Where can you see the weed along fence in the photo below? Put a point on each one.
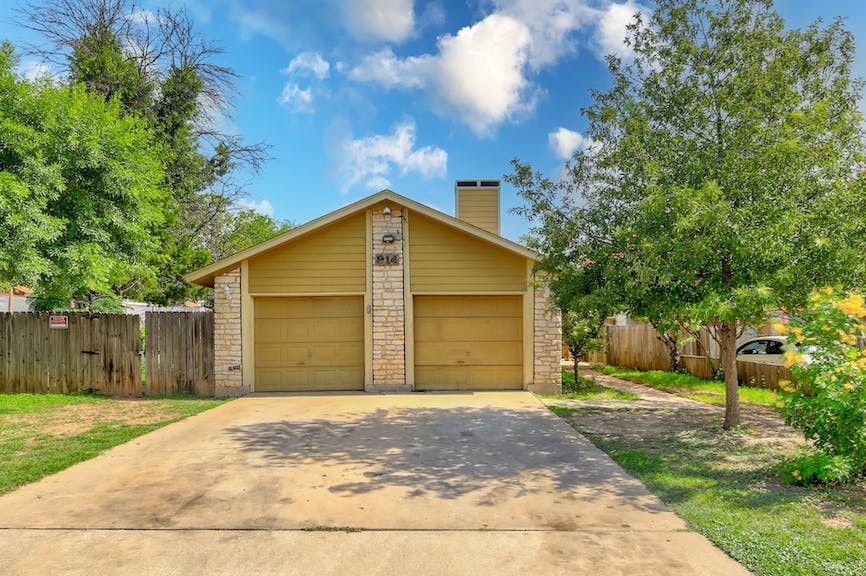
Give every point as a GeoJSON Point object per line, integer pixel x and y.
{"type": "Point", "coordinates": [637, 346]}
{"type": "Point", "coordinates": [73, 352]}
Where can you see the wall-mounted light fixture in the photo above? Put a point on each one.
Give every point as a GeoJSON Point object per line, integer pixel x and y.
{"type": "Point", "coordinates": [386, 211]}
{"type": "Point", "coordinates": [388, 238]}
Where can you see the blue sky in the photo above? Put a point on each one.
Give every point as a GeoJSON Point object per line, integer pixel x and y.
{"type": "Point", "coordinates": [358, 95]}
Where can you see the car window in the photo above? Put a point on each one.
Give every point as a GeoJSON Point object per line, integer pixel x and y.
{"type": "Point", "coordinates": [756, 347]}
{"type": "Point", "coordinates": [774, 347]}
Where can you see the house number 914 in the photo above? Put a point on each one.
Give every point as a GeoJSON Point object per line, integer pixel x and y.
{"type": "Point", "coordinates": [385, 259]}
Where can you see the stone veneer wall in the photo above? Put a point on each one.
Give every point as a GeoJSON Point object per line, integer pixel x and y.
{"type": "Point", "coordinates": [389, 328]}
{"type": "Point", "coordinates": [547, 344]}
{"type": "Point", "coordinates": [228, 343]}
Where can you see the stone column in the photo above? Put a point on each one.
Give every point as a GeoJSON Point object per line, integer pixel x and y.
{"type": "Point", "coordinates": [547, 345]}
{"type": "Point", "coordinates": [389, 311]}
{"type": "Point", "coordinates": [228, 343]}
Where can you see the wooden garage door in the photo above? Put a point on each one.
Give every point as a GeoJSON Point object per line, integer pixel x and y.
{"type": "Point", "coordinates": [309, 343]}
{"type": "Point", "coordinates": [468, 342]}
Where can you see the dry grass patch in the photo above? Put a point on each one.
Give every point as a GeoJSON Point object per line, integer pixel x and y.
{"type": "Point", "coordinates": [44, 433]}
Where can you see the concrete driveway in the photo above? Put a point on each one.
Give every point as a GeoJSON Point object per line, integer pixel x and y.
{"type": "Point", "coordinates": [352, 484]}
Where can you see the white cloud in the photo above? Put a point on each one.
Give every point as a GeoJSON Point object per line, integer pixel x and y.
{"type": "Point", "coordinates": [476, 75]}
{"type": "Point", "coordinates": [35, 70]}
{"type": "Point", "coordinates": [371, 160]}
{"type": "Point", "coordinates": [259, 21]}
{"type": "Point", "coordinates": [140, 16]}
{"type": "Point", "coordinates": [309, 63]}
{"type": "Point", "coordinates": [566, 142]}
{"type": "Point", "coordinates": [482, 74]}
{"type": "Point", "coordinates": [384, 68]}
{"type": "Point", "coordinates": [262, 207]}
{"type": "Point", "coordinates": [552, 25]}
{"type": "Point", "coordinates": [611, 30]}
{"type": "Point", "coordinates": [214, 117]}
{"type": "Point", "coordinates": [297, 99]}
{"type": "Point", "coordinates": [380, 20]}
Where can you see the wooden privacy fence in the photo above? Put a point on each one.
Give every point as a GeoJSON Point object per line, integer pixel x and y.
{"type": "Point", "coordinates": [102, 353]}
{"type": "Point", "coordinates": [637, 346]}
{"type": "Point", "coordinates": [94, 352]}
{"type": "Point", "coordinates": [179, 353]}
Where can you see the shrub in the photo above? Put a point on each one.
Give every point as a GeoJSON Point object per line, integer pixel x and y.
{"type": "Point", "coordinates": [817, 468]}
{"type": "Point", "coordinates": [825, 361]}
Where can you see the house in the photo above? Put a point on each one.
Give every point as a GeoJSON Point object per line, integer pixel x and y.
{"type": "Point", "coordinates": [16, 300]}
{"type": "Point", "coordinates": [385, 294]}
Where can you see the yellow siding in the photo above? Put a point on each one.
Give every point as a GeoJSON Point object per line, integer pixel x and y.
{"type": "Point", "coordinates": [328, 260]}
{"type": "Point", "coordinates": [444, 259]}
{"type": "Point", "coordinates": [479, 207]}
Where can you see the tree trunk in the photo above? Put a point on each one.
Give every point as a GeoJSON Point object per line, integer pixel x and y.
{"type": "Point", "coordinates": [675, 357]}
{"type": "Point", "coordinates": [574, 355]}
{"type": "Point", "coordinates": [728, 344]}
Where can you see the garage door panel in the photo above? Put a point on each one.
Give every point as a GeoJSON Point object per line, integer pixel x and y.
{"type": "Point", "coordinates": [468, 342]}
{"type": "Point", "coordinates": [470, 354]}
{"type": "Point", "coordinates": [468, 377]}
{"type": "Point", "coordinates": [467, 306]}
{"type": "Point", "coordinates": [309, 343]}
{"type": "Point", "coordinates": [461, 329]}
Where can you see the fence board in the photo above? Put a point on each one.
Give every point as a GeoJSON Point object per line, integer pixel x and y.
{"type": "Point", "coordinates": [698, 366]}
{"type": "Point", "coordinates": [637, 347]}
{"type": "Point", "coordinates": [762, 375]}
{"type": "Point", "coordinates": [179, 353]}
{"type": "Point", "coordinates": [92, 353]}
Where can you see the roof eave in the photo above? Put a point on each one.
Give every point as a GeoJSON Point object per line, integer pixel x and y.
{"type": "Point", "coordinates": [205, 276]}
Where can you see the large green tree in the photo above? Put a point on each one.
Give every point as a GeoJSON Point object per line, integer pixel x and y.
{"type": "Point", "coordinates": [723, 175]}
{"type": "Point", "coordinates": [81, 188]}
{"type": "Point", "coordinates": [162, 71]}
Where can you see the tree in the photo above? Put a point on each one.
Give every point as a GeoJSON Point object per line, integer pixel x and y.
{"type": "Point", "coordinates": [162, 71]}
{"type": "Point", "coordinates": [80, 188]}
{"type": "Point", "coordinates": [582, 334]}
{"type": "Point", "coordinates": [245, 228]}
{"type": "Point", "coordinates": [720, 180]}
{"type": "Point", "coordinates": [28, 182]}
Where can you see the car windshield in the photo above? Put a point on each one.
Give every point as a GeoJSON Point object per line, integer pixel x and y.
{"type": "Point", "coordinates": [756, 347]}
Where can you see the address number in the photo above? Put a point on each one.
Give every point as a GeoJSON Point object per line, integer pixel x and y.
{"type": "Point", "coordinates": [385, 259]}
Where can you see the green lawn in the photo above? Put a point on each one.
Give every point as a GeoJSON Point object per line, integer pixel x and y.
{"type": "Point", "coordinates": [688, 386]}
{"type": "Point", "coordinates": [588, 390]}
{"type": "Point", "coordinates": [724, 484]}
{"type": "Point", "coordinates": [41, 434]}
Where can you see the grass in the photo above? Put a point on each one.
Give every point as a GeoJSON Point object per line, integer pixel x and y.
{"type": "Point", "coordinates": [688, 386]}
{"type": "Point", "coordinates": [725, 485]}
{"type": "Point", "coordinates": [45, 433]}
{"type": "Point", "coordinates": [588, 390]}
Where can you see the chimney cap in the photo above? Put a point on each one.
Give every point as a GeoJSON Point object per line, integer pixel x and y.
{"type": "Point", "coordinates": [477, 184]}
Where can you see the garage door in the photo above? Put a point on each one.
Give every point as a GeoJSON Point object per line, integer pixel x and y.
{"type": "Point", "coordinates": [468, 342]}
{"type": "Point", "coordinates": [309, 344]}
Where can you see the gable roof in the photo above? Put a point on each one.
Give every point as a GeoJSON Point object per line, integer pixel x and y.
{"type": "Point", "coordinates": [205, 276]}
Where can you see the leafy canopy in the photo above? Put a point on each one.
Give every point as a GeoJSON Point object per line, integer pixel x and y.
{"type": "Point", "coordinates": [722, 172]}
{"type": "Point", "coordinates": [80, 187]}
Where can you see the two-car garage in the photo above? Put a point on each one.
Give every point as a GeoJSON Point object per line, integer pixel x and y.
{"type": "Point", "coordinates": [317, 343]}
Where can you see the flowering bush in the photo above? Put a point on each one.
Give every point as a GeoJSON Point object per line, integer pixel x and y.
{"type": "Point", "coordinates": [830, 406]}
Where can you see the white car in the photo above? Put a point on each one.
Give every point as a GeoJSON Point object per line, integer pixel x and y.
{"type": "Point", "coordinates": [763, 350]}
